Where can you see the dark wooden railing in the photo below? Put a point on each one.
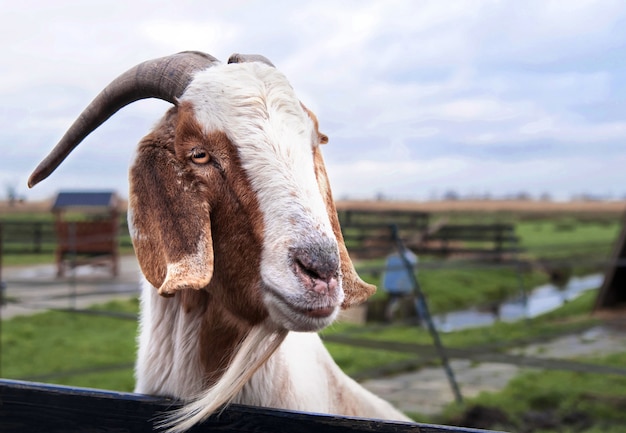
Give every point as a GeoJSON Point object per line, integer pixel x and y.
{"type": "Point", "coordinates": [33, 407]}
{"type": "Point", "coordinates": [368, 235]}
{"type": "Point", "coordinates": [28, 237]}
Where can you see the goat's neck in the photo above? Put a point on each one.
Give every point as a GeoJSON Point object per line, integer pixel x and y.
{"type": "Point", "coordinates": [302, 376]}
{"type": "Point", "coordinates": [185, 343]}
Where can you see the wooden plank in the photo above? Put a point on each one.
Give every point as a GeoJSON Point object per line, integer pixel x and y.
{"type": "Point", "coordinates": [33, 407]}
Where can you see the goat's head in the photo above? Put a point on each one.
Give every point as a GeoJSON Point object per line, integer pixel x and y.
{"type": "Point", "coordinates": [230, 190]}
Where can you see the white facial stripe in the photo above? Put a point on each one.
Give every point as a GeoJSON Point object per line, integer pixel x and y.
{"type": "Point", "coordinates": [254, 105]}
{"type": "Point", "coordinates": [259, 111]}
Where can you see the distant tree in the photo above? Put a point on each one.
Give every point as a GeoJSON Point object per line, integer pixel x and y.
{"type": "Point", "coordinates": [451, 195]}
{"type": "Point", "coordinates": [523, 195]}
{"type": "Point", "coordinates": [545, 197]}
{"type": "Point", "coordinates": [11, 194]}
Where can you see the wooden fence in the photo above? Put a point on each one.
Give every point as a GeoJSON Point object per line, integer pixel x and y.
{"type": "Point", "coordinates": [28, 237]}
{"type": "Point", "coordinates": [33, 407]}
{"type": "Point", "coordinates": [39, 237]}
{"type": "Point", "coordinates": [493, 239]}
{"type": "Point", "coordinates": [368, 235]}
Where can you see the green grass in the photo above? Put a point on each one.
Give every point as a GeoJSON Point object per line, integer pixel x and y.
{"type": "Point", "coordinates": [55, 344]}
{"type": "Point", "coordinates": [458, 284]}
{"type": "Point", "coordinates": [600, 398]}
{"type": "Point", "coordinates": [27, 259]}
{"type": "Point", "coordinates": [452, 289]}
{"type": "Point", "coordinates": [88, 350]}
{"type": "Point", "coordinates": [572, 317]}
{"type": "Point", "coordinates": [461, 285]}
{"type": "Point", "coordinates": [567, 238]}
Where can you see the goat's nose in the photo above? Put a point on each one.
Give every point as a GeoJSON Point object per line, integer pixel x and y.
{"type": "Point", "coordinates": [317, 267]}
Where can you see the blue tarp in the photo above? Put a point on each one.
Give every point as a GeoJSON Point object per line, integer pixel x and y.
{"type": "Point", "coordinates": [396, 279]}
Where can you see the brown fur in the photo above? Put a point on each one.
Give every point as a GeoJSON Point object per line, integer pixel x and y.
{"type": "Point", "coordinates": [177, 203]}
{"type": "Point", "coordinates": [173, 202]}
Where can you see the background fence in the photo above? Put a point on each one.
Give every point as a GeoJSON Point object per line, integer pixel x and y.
{"type": "Point", "coordinates": [40, 237]}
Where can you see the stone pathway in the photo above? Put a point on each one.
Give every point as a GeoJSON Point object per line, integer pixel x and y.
{"type": "Point", "coordinates": [31, 289]}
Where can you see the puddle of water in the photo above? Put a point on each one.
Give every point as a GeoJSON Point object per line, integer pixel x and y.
{"type": "Point", "coordinates": [539, 301]}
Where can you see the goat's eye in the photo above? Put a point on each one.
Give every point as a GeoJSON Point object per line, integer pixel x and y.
{"type": "Point", "coordinates": [200, 156]}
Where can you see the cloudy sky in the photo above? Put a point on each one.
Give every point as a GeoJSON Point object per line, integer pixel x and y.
{"type": "Point", "coordinates": [418, 97]}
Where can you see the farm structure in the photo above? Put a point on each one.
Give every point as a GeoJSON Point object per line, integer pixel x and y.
{"type": "Point", "coordinates": [86, 225]}
{"type": "Point", "coordinates": [367, 234]}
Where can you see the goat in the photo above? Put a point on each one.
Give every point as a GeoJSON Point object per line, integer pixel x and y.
{"type": "Point", "coordinates": [235, 229]}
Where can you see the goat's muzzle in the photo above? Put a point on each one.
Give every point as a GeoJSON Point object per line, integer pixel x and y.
{"type": "Point", "coordinates": [309, 298]}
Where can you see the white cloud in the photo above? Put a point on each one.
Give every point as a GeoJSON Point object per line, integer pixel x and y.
{"type": "Point", "coordinates": [175, 36]}
{"type": "Point", "coordinates": [421, 179]}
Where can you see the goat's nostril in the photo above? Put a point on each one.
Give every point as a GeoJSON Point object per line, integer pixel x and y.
{"type": "Point", "coordinates": [318, 270]}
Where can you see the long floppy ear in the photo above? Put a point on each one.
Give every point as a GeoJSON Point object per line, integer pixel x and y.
{"type": "Point", "coordinates": [355, 289]}
{"type": "Point", "coordinates": [170, 223]}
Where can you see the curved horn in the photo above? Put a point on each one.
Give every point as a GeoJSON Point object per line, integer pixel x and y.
{"type": "Point", "coordinates": [245, 58]}
{"type": "Point", "coordinates": [164, 78]}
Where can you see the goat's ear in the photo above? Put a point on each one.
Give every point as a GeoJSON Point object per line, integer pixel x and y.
{"type": "Point", "coordinates": [356, 290]}
{"type": "Point", "coordinates": [320, 138]}
{"type": "Point", "coordinates": [170, 223]}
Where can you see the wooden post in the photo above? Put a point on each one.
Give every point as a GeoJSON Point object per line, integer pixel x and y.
{"type": "Point", "coordinates": [422, 307]}
{"type": "Point", "coordinates": [37, 235]}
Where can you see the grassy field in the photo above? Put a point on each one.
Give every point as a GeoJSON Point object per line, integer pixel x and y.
{"type": "Point", "coordinates": [72, 349]}
{"type": "Point", "coordinates": [62, 345]}
{"type": "Point", "coordinates": [579, 248]}
{"type": "Point", "coordinates": [98, 351]}
{"type": "Point", "coordinates": [568, 238]}
{"type": "Point", "coordinates": [575, 402]}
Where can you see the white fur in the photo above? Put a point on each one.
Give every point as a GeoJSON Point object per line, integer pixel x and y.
{"type": "Point", "coordinates": [299, 375]}
{"type": "Point", "coordinates": [312, 382]}
{"type": "Point", "coordinates": [168, 359]}
{"type": "Point", "coordinates": [273, 135]}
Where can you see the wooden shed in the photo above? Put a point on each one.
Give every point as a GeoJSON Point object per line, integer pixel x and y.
{"type": "Point", "coordinates": [612, 294]}
{"type": "Point", "coordinates": [86, 225]}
